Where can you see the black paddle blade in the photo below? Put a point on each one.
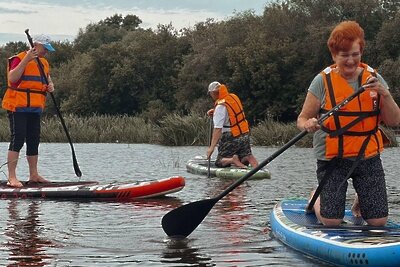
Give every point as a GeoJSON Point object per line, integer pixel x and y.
{"type": "Point", "coordinates": [182, 221]}
{"type": "Point", "coordinates": [76, 167]}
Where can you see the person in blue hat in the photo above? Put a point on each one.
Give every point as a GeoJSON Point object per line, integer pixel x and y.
{"type": "Point", "coordinates": [24, 100]}
{"type": "Point", "coordinates": [44, 40]}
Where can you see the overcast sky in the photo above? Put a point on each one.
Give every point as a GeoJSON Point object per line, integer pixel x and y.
{"type": "Point", "coordinates": [62, 19]}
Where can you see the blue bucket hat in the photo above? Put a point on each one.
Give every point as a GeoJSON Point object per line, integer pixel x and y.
{"type": "Point", "coordinates": [44, 40]}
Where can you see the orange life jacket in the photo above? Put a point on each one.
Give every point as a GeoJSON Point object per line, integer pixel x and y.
{"type": "Point", "coordinates": [30, 94]}
{"type": "Point", "coordinates": [353, 130]}
{"type": "Point", "coordinates": [237, 119]}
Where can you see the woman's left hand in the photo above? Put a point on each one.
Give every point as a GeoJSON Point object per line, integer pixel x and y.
{"type": "Point", "coordinates": [374, 85]}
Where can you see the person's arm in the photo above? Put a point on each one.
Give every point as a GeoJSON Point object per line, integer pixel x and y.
{"type": "Point", "coordinates": [15, 74]}
{"type": "Point", "coordinates": [219, 116]}
{"type": "Point", "coordinates": [307, 119]}
{"type": "Point", "coordinates": [390, 112]}
{"type": "Point", "coordinates": [217, 132]}
{"type": "Point", "coordinates": [50, 87]}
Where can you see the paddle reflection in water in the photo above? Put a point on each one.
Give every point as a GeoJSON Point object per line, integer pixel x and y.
{"type": "Point", "coordinates": [236, 219]}
{"type": "Point", "coordinates": [231, 218]}
{"type": "Point", "coordinates": [180, 252]}
{"type": "Point", "coordinates": [26, 244]}
{"type": "Point", "coordinates": [232, 213]}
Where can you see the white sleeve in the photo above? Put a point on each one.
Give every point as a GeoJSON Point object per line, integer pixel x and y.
{"type": "Point", "coordinates": [220, 115]}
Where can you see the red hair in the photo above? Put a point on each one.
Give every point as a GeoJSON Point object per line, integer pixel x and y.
{"type": "Point", "coordinates": [343, 36]}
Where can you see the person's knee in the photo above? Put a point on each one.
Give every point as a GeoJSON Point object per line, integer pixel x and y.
{"type": "Point", "coordinates": [32, 148]}
{"type": "Point", "coordinates": [377, 222]}
{"type": "Point", "coordinates": [245, 160]}
{"type": "Point", "coordinates": [330, 222]}
{"type": "Point", "coordinates": [32, 152]}
{"type": "Point", "coordinates": [332, 216]}
{"type": "Point", "coordinates": [218, 163]}
{"type": "Point", "coordinates": [250, 160]}
{"type": "Point", "coordinates": [16, 145]}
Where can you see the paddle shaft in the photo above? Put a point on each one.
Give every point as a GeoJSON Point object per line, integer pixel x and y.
{"type": "Point", "coordinates": [209, 144]}
{"type": "Point", "coordinates": [44, 77]}
{"type": "Point", "coordinates": [288, 144]}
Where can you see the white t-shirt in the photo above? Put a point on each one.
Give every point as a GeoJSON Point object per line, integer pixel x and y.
{"type": "Point", "coordinates": [221, 118]}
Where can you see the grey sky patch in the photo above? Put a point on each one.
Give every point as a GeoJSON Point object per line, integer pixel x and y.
{"type": "Point", "coordinates": [14, 11]}
{"type": "Point", "coordinates": [66, 17]}
{"type": "Point", "coordinates": [217, 6]}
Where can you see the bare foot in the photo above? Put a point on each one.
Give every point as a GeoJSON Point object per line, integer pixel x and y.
{"type": "Point", "coordinates": [250, 159]}
{"type": "Point", "coordinates": [38, 179]}
{"type": "Point", "coordinates": [13, 182]}
{"type": "Point", "coordinates": [237, 162]}
{"type": "Point", "coordinates": [355, 209]}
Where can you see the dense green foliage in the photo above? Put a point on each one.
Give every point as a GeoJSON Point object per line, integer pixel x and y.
{"type": "Point", "coordinates": [115, 67]}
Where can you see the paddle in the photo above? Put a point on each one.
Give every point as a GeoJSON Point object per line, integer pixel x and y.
{"type": "Point", "coordinates": [182, 221]}
{"type": "Point", "coordinates": [39, 63]}
{"type": "Point", "coordinates": [209, 144]}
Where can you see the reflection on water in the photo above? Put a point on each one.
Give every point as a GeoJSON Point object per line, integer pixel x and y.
{"type": "Point", "coordinates": [107, 234]}
{"type": "Point", "coordinates": [180, 251]}
{"type": "Point", "coordinates": [233, 209]}
{"type": "Point", "coordinates": [26, 244]}
{"type": "Point", "coordinates": [160, 203]}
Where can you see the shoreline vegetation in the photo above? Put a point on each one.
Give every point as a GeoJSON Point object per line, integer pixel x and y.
{"type": "Point", "coordinates": [172, 130]}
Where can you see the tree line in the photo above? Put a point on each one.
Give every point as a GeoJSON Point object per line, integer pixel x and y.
{"type": "Point", "coordinates": [116, 67]}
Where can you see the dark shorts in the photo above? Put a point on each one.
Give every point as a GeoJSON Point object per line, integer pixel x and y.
{"type": "Point", "coordinates": [229, 146]}
{"type": "Point", "coordinates": [368, 181]}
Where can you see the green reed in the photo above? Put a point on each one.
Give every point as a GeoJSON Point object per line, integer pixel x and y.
{"type": "Point", "coordinates": [171, 130]}
{"type": "Point", "coordinates": [273, 133]}
{"type": "Point", "coordinates": [177, 130]}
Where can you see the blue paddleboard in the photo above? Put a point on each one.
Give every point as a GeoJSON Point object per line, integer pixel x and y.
{"type": "Point", "coordinates": [353, 243]}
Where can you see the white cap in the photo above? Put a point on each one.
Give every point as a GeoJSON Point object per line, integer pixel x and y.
{"type": "Point", "coordinates": [44, 40]}
{"type": "Point", "coordinates": [214, 86]}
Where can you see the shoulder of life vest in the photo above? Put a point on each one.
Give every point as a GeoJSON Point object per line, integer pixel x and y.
{"type": "Point", "coordinates": [220, 101]}
{"type": "Point", "coordinates": [329, 69]}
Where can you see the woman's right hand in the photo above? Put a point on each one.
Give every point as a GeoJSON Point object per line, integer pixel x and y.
{"type": "Point", "coordinates": [31, 54]}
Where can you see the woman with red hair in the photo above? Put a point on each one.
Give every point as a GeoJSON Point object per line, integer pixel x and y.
{"type": "Point", "coordinates": [348, 144]}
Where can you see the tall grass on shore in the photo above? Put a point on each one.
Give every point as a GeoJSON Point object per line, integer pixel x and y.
{"type": "Point", "coordinates": [177, 130]}
{"type": "Point", "coordinates": [4, 128]}
{"type": "Point", "coordinates": [94, 129]}
{"type": "Point", "coordinates": [99, 129]}
{"type": "Point", "coordinates": [171, 130]}
{"type": "Point", "coordinates": [273, 133]}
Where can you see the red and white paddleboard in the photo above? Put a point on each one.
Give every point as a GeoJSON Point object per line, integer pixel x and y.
{"type": "Point", "coordinates": [94, 190]}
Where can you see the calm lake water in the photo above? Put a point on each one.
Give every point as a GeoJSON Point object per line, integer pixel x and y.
{"type": "Point", "coordinates": [235, 232]}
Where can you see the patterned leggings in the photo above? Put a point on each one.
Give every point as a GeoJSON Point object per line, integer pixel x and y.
{"type": "Point", "coordinates": [368, 181]}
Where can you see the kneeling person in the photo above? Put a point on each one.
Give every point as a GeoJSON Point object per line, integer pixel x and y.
{"type": "Point", "coordinates": [231, 129]}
